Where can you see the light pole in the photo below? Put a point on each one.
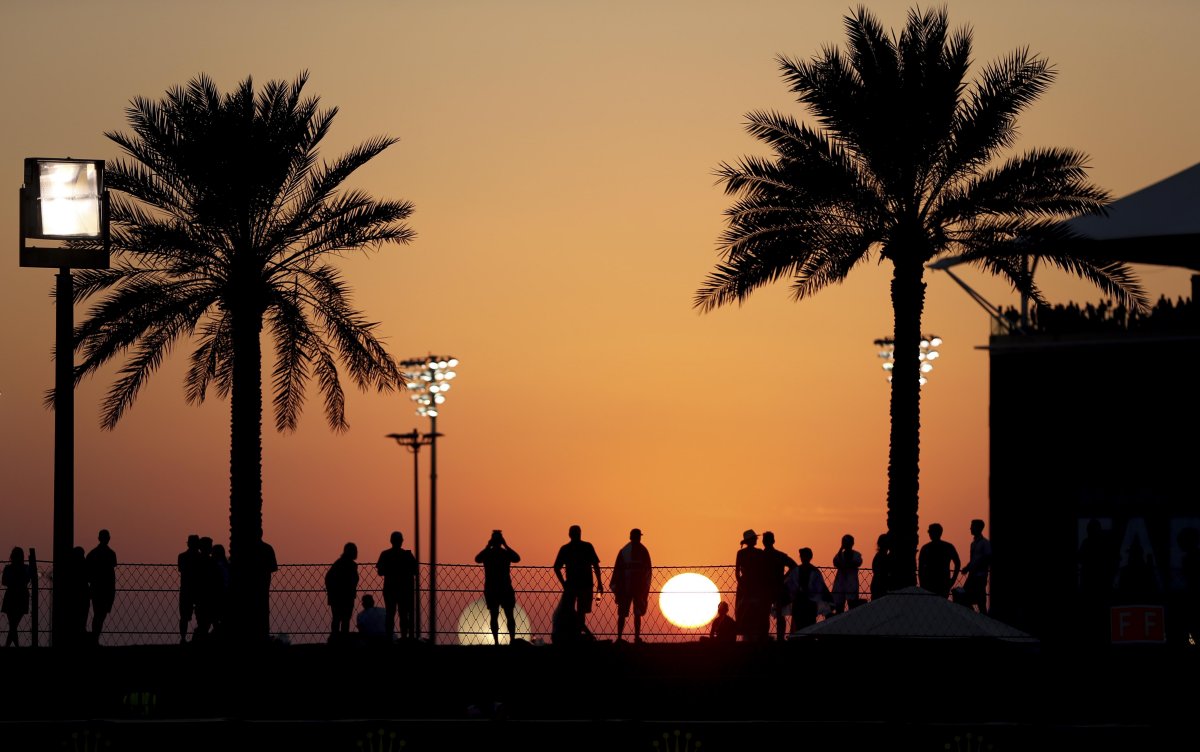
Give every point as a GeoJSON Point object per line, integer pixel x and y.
{"type": "Point", "coordinates": [428, 379]}
{"type": "Point", "coordinates": [929, 353]}
{"type": "Point", "coordinates": [413, 441]}
{"type": "Point", "coordinates": [64, 201]}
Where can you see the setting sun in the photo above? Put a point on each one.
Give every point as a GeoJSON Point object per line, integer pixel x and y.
{"type": "Point", "coordinates": [689, 600]}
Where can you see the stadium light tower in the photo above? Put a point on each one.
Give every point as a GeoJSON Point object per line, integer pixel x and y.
{"type": "Point", "coordinates": [428, 379]}
{"type": "Point", "coordinates": [929, 352]}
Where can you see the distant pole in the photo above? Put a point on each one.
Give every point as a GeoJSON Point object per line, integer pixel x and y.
{"type": "Point", "coordinates": [433, 434]}
{"type": "Point", "coordinates": [415, 448]}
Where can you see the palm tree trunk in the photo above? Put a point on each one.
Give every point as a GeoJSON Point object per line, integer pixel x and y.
{"type": "Point", "coordinates": [249, 585]}
{"type": "Point", "coordinates": [908, 303]}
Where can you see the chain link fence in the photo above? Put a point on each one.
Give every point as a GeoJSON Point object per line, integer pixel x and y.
{"type": "Point", "coordinates": [146, 610]}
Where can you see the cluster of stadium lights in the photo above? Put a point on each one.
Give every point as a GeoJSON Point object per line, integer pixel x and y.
{"type": "Point", "coordinates": [929, 353]}
{"type": "Point", "coordinates": [429, 379]}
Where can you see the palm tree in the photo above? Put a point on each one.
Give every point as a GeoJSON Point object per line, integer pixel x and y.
{"type": "Point", "coordinates": [903, 163]}
{"type": "Point", "coordinates": [224, 223]}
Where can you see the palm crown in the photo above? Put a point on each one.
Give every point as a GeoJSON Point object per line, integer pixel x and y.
{"type": "Point", "coordinates": [224, 223]}
{"type": "Point", "coordinates": [904, 162]}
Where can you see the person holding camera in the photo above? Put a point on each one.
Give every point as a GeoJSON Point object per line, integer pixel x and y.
{"type": "Point", "coordinates": [497, 560]}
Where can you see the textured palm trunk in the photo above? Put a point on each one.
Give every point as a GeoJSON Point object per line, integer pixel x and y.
{"type": "Point", "coordinates": [904, 454]}
{"type": "Point", "coordinates": [249, 612]}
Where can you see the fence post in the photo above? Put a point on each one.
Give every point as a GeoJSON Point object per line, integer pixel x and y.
{"type": "Point", "coordinates": [33, 597]}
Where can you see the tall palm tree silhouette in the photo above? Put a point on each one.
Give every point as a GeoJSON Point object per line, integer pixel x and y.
{"type": "Point", "coordinates": [224, 223]}
{"type": "Point", "coordinates": [903, 163]}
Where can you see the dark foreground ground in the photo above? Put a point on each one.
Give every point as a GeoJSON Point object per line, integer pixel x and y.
{"type": "Point", "coordinates": [848, 694]}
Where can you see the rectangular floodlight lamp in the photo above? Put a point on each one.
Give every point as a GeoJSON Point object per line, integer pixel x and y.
{"type": "Point", "coordinates": [64, 200]}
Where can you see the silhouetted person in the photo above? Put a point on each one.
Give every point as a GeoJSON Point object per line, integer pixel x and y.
{"type": "Point", "coordinates": [341, 587]}
{"type": "Point", "coordinates": [398, 568]}
{"type": "Point", "coordinates": [372, 622]}
{"type": "Point", "coordinates": [102, 582]}
{"type": "Point", "coordinates": [191, 573]}
{"type": "Point", "coordinates": [15, 578]}
{"type": "Point", "coordinates": [723, 627]}
{"type": "Point", "coordinates": [845, 581]}
{"type": "Point", "coordinates": [497, 560]}
{"type": "Point", "coordinates": [977, 568]}
{"type": "Point", "coordinates": [881, 567]}
{"type": "Point", "coordinates": [778, 566]}
{"type": "Point", "coordinates": [206, 592]}
{"type": "Point", "coordinates": [631, 583]}
{"type": "Point", "coordinates": [808, 590]}
{"type": "Point", "coordinates": [220, 588]}
{"type": "Point", "coordinates": [938, 563]}
{"type": "Point", "coordinates": [574, 566]}
{"type": "Point", "coordinates": [752, 598]}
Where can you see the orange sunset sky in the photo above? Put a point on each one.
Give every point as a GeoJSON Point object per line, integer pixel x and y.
{"type": "Point", "coordinates": [560, 156]}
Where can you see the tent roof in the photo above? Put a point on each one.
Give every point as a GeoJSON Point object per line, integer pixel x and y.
{"type": "Point", "coordinates": [1159, 224]}
{"type": "Point", "coordinates": [918, 613]}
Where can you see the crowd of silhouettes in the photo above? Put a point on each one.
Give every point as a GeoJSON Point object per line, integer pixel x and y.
{"type": "Point", "coordinates": [770, 585]}
{"type": "Point", "coordinates": [203, 588]}
{"type": "Point", "coordinates": [1165, 316]}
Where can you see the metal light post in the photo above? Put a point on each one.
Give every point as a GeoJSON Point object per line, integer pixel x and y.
{"type": "Point", "coordinates": [929, 353]}
{"type": "Point", "coordinates": [64, 201]}
{"type": "Point", "coordinates": [429, 379]}
{"type": "Point", "coordinates": [413, 441]}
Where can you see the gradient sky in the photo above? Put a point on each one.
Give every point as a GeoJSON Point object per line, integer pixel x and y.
{"type": "Point", "coordinates": [560, 157]}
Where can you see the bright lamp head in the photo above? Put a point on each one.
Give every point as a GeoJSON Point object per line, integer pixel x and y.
{"type": "Point", "coordinates": [65, 200]}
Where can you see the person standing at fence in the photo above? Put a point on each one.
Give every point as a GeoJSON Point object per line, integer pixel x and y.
{"type": "Point", "coordinates": [497, 560]}
{"type": "Point", "coordinates": [977, 568]}
{"type": "Point", "coordinates": [845, 582]}
{"type": "Point", "coordinates": [579, 560]}
{"type": "Point", "coordinates": [752, 599]}
{"type": "Point", "coordinates": [808, 590]}
{"type": "Point", "coordinates": [206, 593]}
{"type": "Point", "coordinates": [190, 573]}
{"type": "Point", "coordinates": [220, 588]}
{"type": "Point", "coordinates": [15, 578]}
{"type": "Point", "coordinates": [881, 567]}
{"type": "Point", "coordinates": [398, 568]}
{"type": "Point", "coordinates": [102, 580]}
{"type": "Point", "coordinates": [938, 563]}
{"type": "Point", "coordinates": [778, 564]}
{"type": "Point", "coordinates": [630, 583]}
{"type": "Point", "coordinates": [341, 587]}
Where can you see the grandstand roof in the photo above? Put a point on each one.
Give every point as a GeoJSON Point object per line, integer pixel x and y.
{"type": "Point", "coordinates": [1158, 224]}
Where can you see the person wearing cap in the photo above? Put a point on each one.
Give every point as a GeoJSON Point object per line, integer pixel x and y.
{"type": "Point", "coordinates": [752, 604]}
{"type": "Point", "coordinates": [631, 583]}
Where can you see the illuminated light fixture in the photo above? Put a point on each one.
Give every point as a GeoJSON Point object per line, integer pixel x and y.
{"type": "Point", "coordinates": [428, 379]}
{"type": "Point", "coordinates": [929, 353]}
{"type": "Point", "coordinates": [64, 200]}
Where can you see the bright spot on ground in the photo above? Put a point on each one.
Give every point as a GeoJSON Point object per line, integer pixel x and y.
{"type": "Point", "coordinates": [689, 600]}
{"type": "Point", "coordinates": [475, 626]}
